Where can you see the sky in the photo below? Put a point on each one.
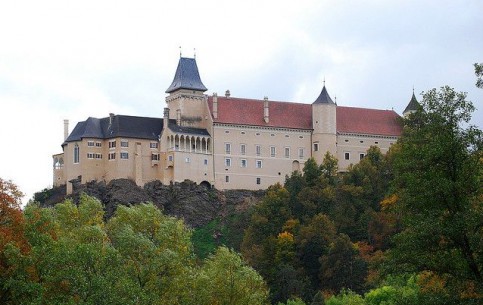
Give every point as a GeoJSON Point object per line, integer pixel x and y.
{"type": "Point", "coordinates": [75, 59]}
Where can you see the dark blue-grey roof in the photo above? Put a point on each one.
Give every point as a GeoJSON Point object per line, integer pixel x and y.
{"type": "Point", "coordinates": [413, 105]}
{"type": "Point", "coordinates": [187, 76]}
{"type": "Point", "coordinates": [121, 126]}
{"type": "Point", "coordinates": [187, 130]}
{"type": "Point", "coordinates": [324, 97]}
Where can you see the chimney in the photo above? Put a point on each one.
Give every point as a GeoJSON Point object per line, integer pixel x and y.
{"type": "Point", "coordinates": [178, 117]}
{"type": "Point", "coordinates": [111, 117]}
{"type": "Point", "coordinates": [227, 93]}
{"type": "Point", "coordinates": [66, 129]}
{"type": "Point", "coordinates": [215, 105]}
{"type": "Point", "coordinates": [265, 109]}
{"type": "Point", "coordinates": [165, 118]}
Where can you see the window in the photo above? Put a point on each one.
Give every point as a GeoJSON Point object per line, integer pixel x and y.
{"type": "Point", "coordinates": [187, 160]}
{"type": "Point", "coordinates": [90, 143]}
{"type": "Point", "coordinates": [376, 142]}
{"type": "Point", "coordinates": [272, 151]}
{"type": "Point", "coordinates": [98, 144]}
{"type": "Point", "coordinates": [242, 132]}
{"type": "Point", "coordinates": [316, 146]}
{"type": "Point", "coordinates": [227, 179]}
{"type": "Point", "coordinates": [112, 144]}
{"type": "Point", "coordinates": [76, 153]}
{"type": "Point", "coordinates": [346, 156]}
{"type": "Point", "coordinates": [90, 155]}
{"type": "Point", "coordinates": [98, 156]}
{"type": "Point", "coordinates": [154, 157]}
{"type": "Point", "coordinates": [259, 164]}
{"type": "Point", "coordinates": [259, 180]}
{"type": "Point", "coordinates": [124, 143]}
{"type": "Point", "coordinates": [258, 150]}
{"type": "Point", "coordinates": [153, 145]}
{"type": "Point", "coordinates": [361, 141]}
{"type": "Point", "coordinates": [170, 158]}
{"type": "Point", "coordinates": [205, 162]}
{"type": "Point", "coordinates": [227, 161]}
{"type": "Point", "coordinates": [287, 152]}
{"type": "Point", "coordinates": [227, 148]}
{"type": "Point", "coordinates": [243, 149]}
{"type": "Point", "coordinates": [301, 153]}
{"type": "Point", "coordinates": [361, 156]}
{"type": "Point", "coordinates": [346, 140]}
{"type": "Point", "coordinates": [243, 163]}
{"type": "Point", "coordinates": [111, 156]}
{"type": "Point", "coordinates": [124, 155]}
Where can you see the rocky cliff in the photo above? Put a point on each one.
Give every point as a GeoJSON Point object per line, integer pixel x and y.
{"type": "Point", "coordinates": [196, 204]}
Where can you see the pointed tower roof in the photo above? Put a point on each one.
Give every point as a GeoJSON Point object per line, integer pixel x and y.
{"type": "Point", "coordinates": [187, 76]}
{"type": "Point", "coordinates": [324, 97]}
{"type": "Point", "coordinates": [413, 105]}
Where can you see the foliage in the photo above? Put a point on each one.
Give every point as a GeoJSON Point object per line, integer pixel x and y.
{"type": "Point", "coordinates": [12, 229]}
{"type": "Point", "coordinates": [345, 297]}
{"type": "Point", "coordinates": [296, 301]}
{"type": "Point", "coordinates": [140, 256]}
{"type": "Point", "coordinates": [296, 238]}
{"type": "Point", "coordinates": [479, 74]}
{"type": "Point", "coordinates": [438, 169]}
{"type": "Point", "coordinates": [226, 279]}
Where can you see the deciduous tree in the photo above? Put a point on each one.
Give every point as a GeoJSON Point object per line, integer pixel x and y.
{"type": "Point", "coordinates": [438, 177]}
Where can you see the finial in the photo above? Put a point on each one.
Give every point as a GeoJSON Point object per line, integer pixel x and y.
{"type": "Point", "coordinates": [324, 81]}
{"type": "Point", "coordinates": [335, 99]}
{"type": "Point", "coordinates": [194, 53]}
{"type": "Point", "coordinates": [180, 54]}
{"type": "Point", "coordinates": [413, 89]}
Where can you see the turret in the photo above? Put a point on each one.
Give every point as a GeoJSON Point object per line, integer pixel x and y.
{"type": "Point", "coordinates": [324, 125]}
{"type": "Point", "coordinates": [412, 107]}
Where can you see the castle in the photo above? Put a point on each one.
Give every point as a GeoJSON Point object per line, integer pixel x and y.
{"type": "Point", "coordinates": [221, 141]}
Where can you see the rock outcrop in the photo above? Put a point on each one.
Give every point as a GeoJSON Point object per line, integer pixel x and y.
{"type": "Point", "coordinates": [196, 204]}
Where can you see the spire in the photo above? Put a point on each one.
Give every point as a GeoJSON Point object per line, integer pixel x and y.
{"type": "Point", "coordinates": [187, 76]}
{"type": "Point", "coordinates": [324, 97]}
{"type": "Point", "coordinates": [413, 105]}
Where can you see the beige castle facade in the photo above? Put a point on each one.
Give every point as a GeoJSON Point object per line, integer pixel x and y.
{"type": "Point", "coordinates": [220, 141]}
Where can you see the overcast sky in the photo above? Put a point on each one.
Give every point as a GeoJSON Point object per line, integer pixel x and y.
{"type": "Point", "coordinates": [75, 59]}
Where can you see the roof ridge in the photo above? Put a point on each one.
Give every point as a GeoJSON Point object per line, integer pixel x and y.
{"type": "Point", "coordinates": [260, 100]}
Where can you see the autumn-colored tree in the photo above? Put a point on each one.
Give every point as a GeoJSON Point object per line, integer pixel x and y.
{"type": "Point", "coordinates": [12, 232]}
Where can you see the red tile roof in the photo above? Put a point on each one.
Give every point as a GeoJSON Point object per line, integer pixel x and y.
{"type": "Point", "coordinates": [368, 121]}
{"type": "Point", "coordinates": [296, 115]}
{"type": "Point", "coordinates": [250, 112]}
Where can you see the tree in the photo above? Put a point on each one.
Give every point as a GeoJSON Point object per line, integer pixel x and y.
{"type": "Point", "coordinates": [311, 172]}
{"type": "Point", "coordinates": [226, 279]}
{"type": "Point", "coordinates": [342, 267]}
{"type": "Point", "coordinates": [438, 171]}
{"type": "Point", "coordinates": [479, 75]}
{"type": "Point", "coordinates": [12, 231]}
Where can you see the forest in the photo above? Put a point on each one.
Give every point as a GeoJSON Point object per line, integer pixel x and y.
{"type": "Point", "coordinates": [403, 227]}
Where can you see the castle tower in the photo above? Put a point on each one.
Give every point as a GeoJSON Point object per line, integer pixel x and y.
{"type": "Point", "coordinates": [186, 100]}
{"type": "Point", "coordinates": [324, 137]}
{"type": "Point", "coordinates": [412, 107]}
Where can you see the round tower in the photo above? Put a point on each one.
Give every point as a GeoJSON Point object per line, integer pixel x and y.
{"type": "Point", "coordinates": [324, 136]}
